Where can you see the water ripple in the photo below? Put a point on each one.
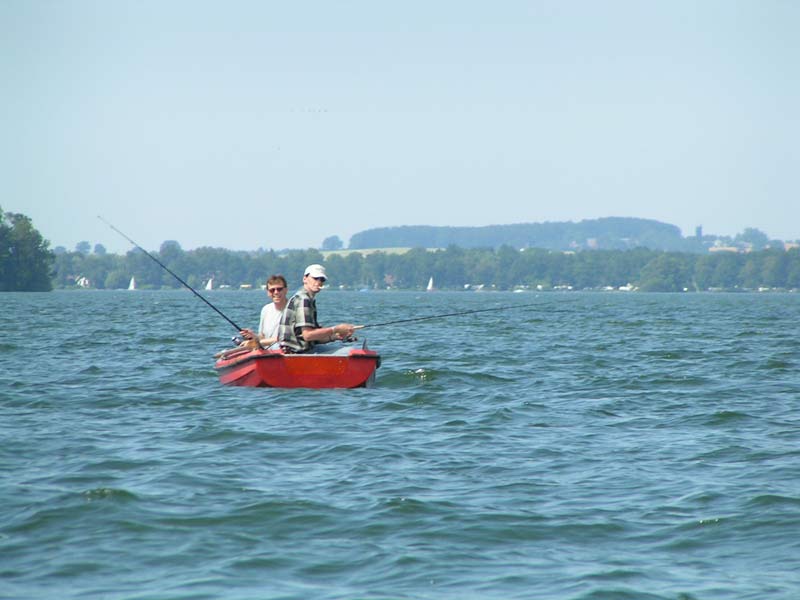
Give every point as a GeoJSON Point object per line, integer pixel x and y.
{"type": "Point", "coordinates": [606, 446]}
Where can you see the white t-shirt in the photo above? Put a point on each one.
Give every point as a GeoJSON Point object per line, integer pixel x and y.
{"type": "Point", "coordinates": [270, 320]}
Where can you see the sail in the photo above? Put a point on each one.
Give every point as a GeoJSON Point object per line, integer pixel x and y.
{"type": "Point", "coordinates": [132, 284]}
{"type": "Point", "coordinates": [430, 285]}
{"type": "Point", "coordinates": [210, 284]}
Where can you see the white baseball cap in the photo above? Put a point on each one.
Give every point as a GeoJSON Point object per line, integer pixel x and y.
{"type": "Point", "coordinates": [315, 271]}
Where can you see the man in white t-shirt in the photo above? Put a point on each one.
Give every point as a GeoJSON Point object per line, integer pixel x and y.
{"type": "Point", "coordinates": [271, 313]}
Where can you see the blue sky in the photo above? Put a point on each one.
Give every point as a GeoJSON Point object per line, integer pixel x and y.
{"type": "Point", "coordinates": [263, 124]}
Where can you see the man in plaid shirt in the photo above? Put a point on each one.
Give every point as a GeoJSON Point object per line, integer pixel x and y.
{"type": "Point", "coordinates": [299, 330]}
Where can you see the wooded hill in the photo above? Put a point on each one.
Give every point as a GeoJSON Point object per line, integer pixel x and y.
{"type": "Point", "coordinates": [612, 233]}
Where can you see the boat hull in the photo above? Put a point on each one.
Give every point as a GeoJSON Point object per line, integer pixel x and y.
{"type": "Point", "coordinates": [346, 368]}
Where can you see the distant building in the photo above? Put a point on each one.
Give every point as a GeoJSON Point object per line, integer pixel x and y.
{"type": "Point", "coordinates": [698, 232]}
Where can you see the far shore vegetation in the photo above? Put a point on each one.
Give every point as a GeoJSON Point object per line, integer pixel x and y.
{"type": "Point", "coordinates": [28, 264]}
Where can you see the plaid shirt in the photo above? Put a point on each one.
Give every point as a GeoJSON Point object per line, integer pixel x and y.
{"type": "Point", "coordinates": [301, 311]}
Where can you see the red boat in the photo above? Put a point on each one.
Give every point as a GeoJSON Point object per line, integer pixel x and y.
{"type": "Point", "coordinates": [347, 367]}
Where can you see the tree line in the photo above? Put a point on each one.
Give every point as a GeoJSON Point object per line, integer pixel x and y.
{"type": "Point", "coordinates": [28, 264]}
{"type": "Point", "coordinates": [25, 257]}
{"type": "Point", "coordinates": [457, 268]}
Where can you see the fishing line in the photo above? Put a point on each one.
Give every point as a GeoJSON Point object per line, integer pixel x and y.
{"type": "Point", "coordinates": [454, 314]}
{"type": "Point", "coordinates": [167, 269]}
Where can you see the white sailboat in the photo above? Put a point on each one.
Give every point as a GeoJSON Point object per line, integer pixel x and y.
{"type": "Point", "coordinates": [210, 284]}
{"type": "Point", "coordinates": [132, 284]}
{"type": "Point", "coordinates": [430, 285]}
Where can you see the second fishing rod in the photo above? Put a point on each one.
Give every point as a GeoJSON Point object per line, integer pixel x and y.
{"type": "Point", "coordinates": [442, 315]}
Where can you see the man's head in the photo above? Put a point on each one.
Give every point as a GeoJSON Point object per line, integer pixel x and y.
{"type": "Point", "coordinates": [314, 278]}
{"type": "Point", "coordinates": [277, 288]}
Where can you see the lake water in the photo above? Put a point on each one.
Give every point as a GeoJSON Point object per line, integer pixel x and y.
{"type": "Point", "coordinates": [588, 446]}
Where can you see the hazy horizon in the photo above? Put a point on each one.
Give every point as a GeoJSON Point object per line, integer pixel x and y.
{"type": "Point", "coordinates": [263, 124]}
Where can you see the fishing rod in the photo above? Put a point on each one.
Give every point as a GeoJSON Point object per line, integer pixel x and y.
{"type": "Point", "coordinates": [167, 269]}
{"type": "Point", "coordinates": [453, 314]}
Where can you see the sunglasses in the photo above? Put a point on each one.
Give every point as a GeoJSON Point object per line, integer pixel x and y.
{"type": "Point", "coordinates": [320, 279]}
{"type": "Point", "coordinates": [276, 289]}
